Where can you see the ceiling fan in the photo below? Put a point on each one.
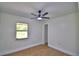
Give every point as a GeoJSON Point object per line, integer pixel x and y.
{"type": "Point", "coordinates": [40, 15]}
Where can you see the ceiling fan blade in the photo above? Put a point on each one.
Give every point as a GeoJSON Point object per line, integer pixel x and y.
{"type": "Point", "coordinates": [45, 14]}
{"type": "Point", "coordinates": [46, 17]}
{"type": "Point", "coordinates": [33, 14]}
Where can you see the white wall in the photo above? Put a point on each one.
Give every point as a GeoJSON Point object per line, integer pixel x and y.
{"type": "Point", "coordinates": [78, 5]}
{"type": "Point", "coordinates": [77, 31]}
{"type": "Point", "coordinates": [8, 42]}
{"type": "Point", "coordinates": [62, 34]}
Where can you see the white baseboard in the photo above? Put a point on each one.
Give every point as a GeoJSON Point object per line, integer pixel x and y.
{"type": "Point", "coordinates": [60, 49]}
{"type": "Point", "coordinates": [19, 49]}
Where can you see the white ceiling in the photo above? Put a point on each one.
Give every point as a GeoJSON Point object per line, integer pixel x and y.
{"type": "Point", "coordinates": [24, 9]}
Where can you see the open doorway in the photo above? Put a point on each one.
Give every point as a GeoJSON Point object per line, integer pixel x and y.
{"type": "Point", "coordinates": [46, 33]}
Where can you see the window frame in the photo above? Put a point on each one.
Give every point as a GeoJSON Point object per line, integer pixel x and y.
{"type": "Point", "coordinates": [22, 31]}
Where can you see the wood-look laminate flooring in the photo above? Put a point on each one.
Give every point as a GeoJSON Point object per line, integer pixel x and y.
{"type": "Point", "coordinates": [41, 50]}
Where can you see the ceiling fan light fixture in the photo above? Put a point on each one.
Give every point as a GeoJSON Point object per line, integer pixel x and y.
{"type": "Point", "coordinates": [39, 18]}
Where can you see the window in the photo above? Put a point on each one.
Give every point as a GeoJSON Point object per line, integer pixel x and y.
{"type": "Point", "coordinates": [21, 30]}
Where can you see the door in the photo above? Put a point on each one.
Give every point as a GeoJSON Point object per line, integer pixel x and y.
{"type": "Point", "coordinates": [46, 33]}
